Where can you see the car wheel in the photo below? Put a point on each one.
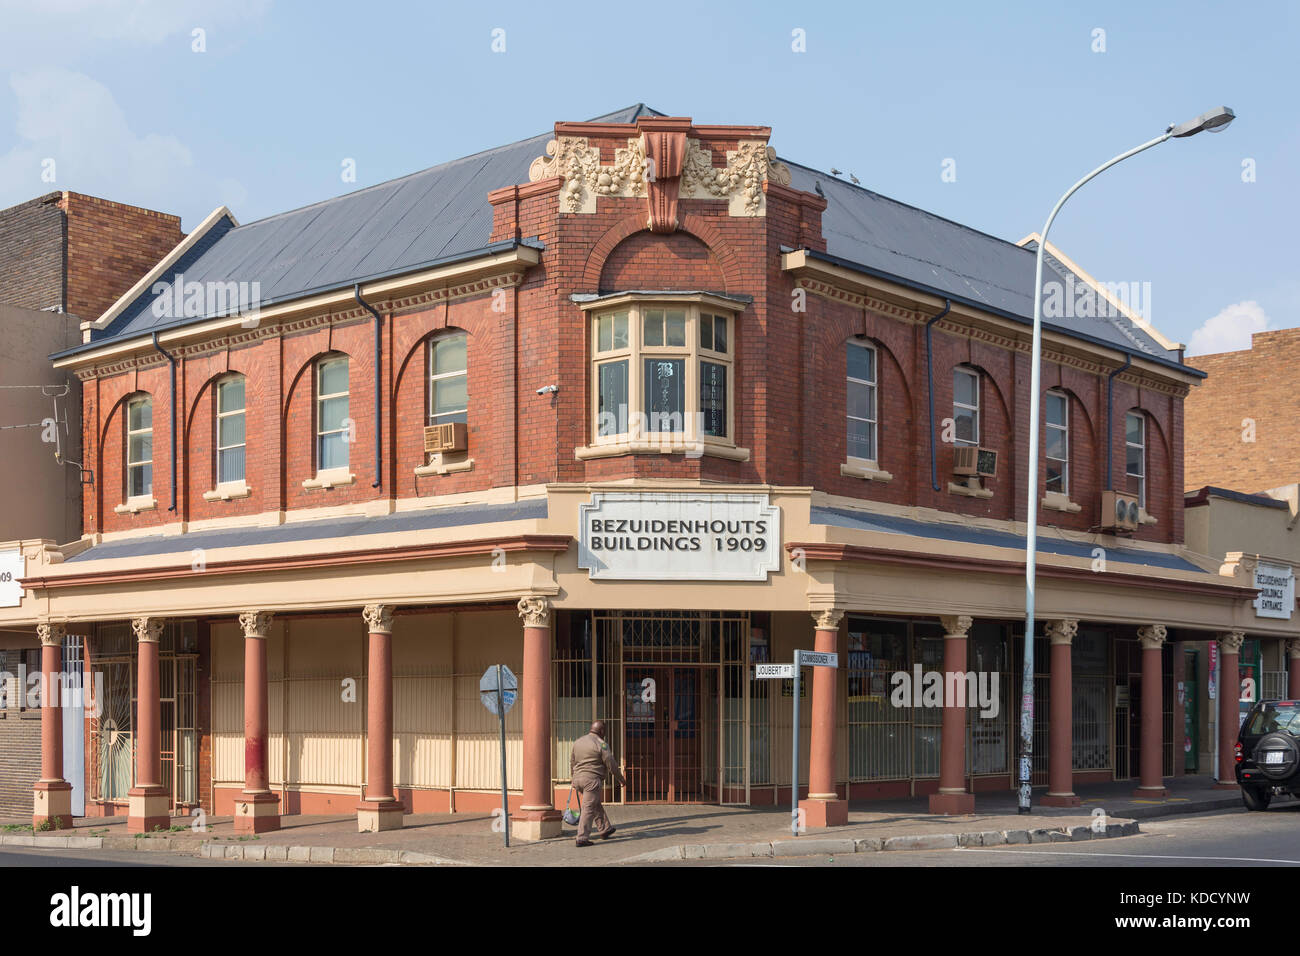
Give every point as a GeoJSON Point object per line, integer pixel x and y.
{"type": "Point", "coordinates": [1255, 798]}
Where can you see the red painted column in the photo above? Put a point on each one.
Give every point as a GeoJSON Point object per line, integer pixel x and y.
{"type": "Point", "coordinates": [953, 796]}
{"type": "Point", "coordinates": [537, 818]}
{"type": "Point", "coordinates": [1293, 676]}
{"type": "Point", "coordinates": [380, 809]}
{"type": "Point", "coordinates": [257, 809]}
{"type": "Point", "coordinates": [52, 795]}
{"type": "Point", "coordinates": [824, 808]}
{"type": "Point", "coordinates": [149, 806]}
{"type": "Point", "coordinates": [1151, 780]}
{"type": "Point", "coordinates": [1229, 713]}
{"type": "Point", "coordinates": [1060, 725]}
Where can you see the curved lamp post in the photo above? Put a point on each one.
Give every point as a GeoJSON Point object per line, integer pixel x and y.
{"type": "Point", "coordinates": [1213, 120]}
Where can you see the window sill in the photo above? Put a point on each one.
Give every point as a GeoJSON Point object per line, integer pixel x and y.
{"type": "Point", "coordinates": [968, 491]}
{"type": "Point", "coordinates": [228, 490]}
{"type": "Point", "coordinates": [644, 447]}
{"type": "Point", "coordinates": [860, 468]}
{"type": "Point", "coordinates": [1053, 501]}
{"type": "Point", "coordinates": [439, 467]}
{"type": "Point", "coordinates": [134, 506]}
{"type": "Point", "coordinates": [333, 478]}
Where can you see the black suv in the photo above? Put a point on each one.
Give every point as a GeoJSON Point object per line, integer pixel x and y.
{"type": "Point", "coordinates": [1268, 752]}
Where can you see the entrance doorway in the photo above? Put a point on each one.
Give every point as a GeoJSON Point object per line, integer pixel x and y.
{"type": "Point", "coordinates": [670, 734]}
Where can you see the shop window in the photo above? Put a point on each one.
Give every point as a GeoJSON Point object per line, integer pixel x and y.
{"type": "Point", "coordinates": [1135, 456]}
{"type": "Point", "coordinates": [139, 447]}
{"type": "Point", "coordinates": [861, 401]}
{"type": "Point", "coordinates": [966, 406]}
{"type": "Point", "coordinates": [230, 430]}
{"type": "Point", "coordinates": [332, 421]}
{"type": "Point", "coordinates": [1056, 416]}
{"type": "Point", "coordinates": [662, 373]}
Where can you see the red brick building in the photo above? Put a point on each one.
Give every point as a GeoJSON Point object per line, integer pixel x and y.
{"type": "Point", "coordinates": [680, 406]}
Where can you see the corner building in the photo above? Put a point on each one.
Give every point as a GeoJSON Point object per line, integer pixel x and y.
{"type": "Point", "coordinates": [630, 407]}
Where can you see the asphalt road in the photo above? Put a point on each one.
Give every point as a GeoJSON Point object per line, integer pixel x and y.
{"type": "Point", "coordinates": [1227, 838]}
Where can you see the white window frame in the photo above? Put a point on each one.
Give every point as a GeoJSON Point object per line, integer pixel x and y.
{"type": "Point", "coordinates": [1064, 429]}
{"type": "Point", "coordinates": [321, 397]}
{"type": "Point", "coordinates": [875, 403]}
{"type": "Point", "coordinates": [132, 466]}
{"type": "Point", "coordinates": [230, 413]}
{"type": "Point", "coordinates": [436, 418]}
{"type": "Point", "coordinates": [1142, 456]}
{"type": "Point", "coordinates": [963, 370]}
{"type": "Point", "coordinates": [637, 432]}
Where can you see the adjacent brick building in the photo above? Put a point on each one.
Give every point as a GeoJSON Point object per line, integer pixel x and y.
{"type": "Point", "coordinates": [1242, 428]}
{"type": "Point", "coordinates": [662, 396]}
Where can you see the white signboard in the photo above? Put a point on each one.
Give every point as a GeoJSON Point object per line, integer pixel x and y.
{"type": "Point", "coordinates": [679, 536]}
{"type": "Point", "coordinates": [817, 659]}
{"type": "Point", "coordinates": [773, 670]}
{"type": "Point", "coordinates": [12, 567]}
{"type": "Point", "coordinates": [1276, 585]}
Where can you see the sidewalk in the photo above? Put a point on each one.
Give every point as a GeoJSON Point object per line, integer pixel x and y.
{"type": "Point", "coordinates": [658, 832]}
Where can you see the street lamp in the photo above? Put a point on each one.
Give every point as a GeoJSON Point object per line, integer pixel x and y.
{"type": "Point", "coordinates": [1214, 120]}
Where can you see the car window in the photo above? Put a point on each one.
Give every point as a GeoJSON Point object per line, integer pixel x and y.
{"type": "Point", "coordinates": [1268, 718]}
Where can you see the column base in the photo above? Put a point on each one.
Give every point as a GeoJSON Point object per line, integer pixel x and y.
{"type": "Point", "coordinates": [376, 815]}
{"type": "Point", "coordinates": [1152, 793]}
{"type": "Point", "coordinates": [257, 812]}
{"type": "Point", "coordinates": [952, 804]}
{"type": "Point", "coordinates": [821, 812]}
{"type": "Point", "coordinates": [52, 805]}
{"type": "Point", "coordinates": [1060, 800]}
{"type": "Point", "coordinates": [1227, 785]}
{"type": "Point", "coordinates": [533, 826]}
{"type": "Point", "coordinates": [147, 810]}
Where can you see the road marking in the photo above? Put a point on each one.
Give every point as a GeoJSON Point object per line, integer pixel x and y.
{"type": "Point", "coordinates": [1143, 856]}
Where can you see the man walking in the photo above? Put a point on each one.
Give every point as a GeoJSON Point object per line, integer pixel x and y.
{"type": "Point", "coordinates": [589, 761]}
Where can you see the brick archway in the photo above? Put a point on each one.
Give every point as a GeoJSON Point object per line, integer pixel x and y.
{"type": "Point", "coordinates": [693, 225]}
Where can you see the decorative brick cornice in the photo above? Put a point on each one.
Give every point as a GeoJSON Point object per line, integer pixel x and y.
{"type": "Point", "coordinates": [858, 300]}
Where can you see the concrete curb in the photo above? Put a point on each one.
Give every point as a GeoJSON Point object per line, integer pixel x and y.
{"type": "Point", "coordinates": [819, 846]}
{"type": "Point", "coordinates": [363, 856]}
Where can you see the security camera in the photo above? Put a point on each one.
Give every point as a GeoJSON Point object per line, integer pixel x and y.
{"type": "Point", "coordinates": [548, 388]}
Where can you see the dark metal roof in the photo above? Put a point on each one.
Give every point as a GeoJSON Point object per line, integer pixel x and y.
{"type": "Point", "coordinates": [946, 531]}
{"type": "Point", "coordinates": [1201, 496]}
{"type": "Point", "coordinates": [441, 214]}
{"type": "Point", "coordinates": [356, 527]}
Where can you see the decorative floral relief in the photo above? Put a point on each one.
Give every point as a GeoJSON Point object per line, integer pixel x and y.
{"type": "Point", "coordinates": [741, 181]}
{"type": "Point", "coordinates": [584, 177]}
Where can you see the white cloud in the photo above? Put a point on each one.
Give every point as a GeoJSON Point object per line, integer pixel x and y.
{"type": "Point", "coordinates": [81, 24]}
{"type": "Point", "coordinates": [1230, 330]}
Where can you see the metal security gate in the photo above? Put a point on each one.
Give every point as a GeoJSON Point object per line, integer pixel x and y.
{"type": "Point", "coordinates": [671, 688]}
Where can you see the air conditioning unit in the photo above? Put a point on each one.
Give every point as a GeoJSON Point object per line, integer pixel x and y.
{"type": "Point", "coordinates": [971, 460]}
{"type": "Point", "coordinates": [1119, 511]}
{"type": "Point", "coordinates": [450, 437]}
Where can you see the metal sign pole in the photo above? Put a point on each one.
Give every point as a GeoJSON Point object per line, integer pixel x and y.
{"type": "Point", "coordinates": [501, 716]}
{"type": "Point", "coordinates": [794, 762]}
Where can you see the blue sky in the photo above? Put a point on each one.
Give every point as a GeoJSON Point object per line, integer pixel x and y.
{"type": "Point", "coordinates": [1016, 95]}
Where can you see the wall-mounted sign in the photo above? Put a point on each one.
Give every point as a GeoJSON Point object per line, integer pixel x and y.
{"type": "Point", "coordinates": [1276, 585]}
{"type": "Point", "coordinates": [12, 567]}
{"type": "Point", "coordinates": [679, 536]}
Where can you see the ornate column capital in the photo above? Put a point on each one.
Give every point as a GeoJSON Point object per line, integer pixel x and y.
{"type": "Point", "coordinates": [51, 634]}
{"type": "Point", "coordinates": [1293, 649]}
{"type": "Point", "coordinates": [1062, 631]}
{"type": "Point", "coordinates": [534, 611]}
{"type": "Point", "coordinates": [956, 625]}
{"type": "Point", "coordinates": [1230, 641]}
{"type": "Point", "coordinates": [1152, 636]}
{"type": "Point", "coordinates": [827, 620]}
{"type": "Point", "coordinates": [147, 629]}
{"type": "Point", "coordinates": [255, 623]}
{"type": "Point", "coordinates": [379, 618]}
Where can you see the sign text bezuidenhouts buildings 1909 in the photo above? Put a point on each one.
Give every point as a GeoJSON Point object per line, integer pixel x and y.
{"type": "Point", "coordinates": [680, 536]}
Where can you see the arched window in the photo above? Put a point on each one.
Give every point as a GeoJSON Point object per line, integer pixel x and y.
{"type": "Point", "coordinates": [1056, 420]}
{"type": "Point", "coordinates": [448, 379]}
{"type": "Point", "coordinates": [230, 429]}
{"type": "Point", "coordinates": [966, 406]}
{"type": "Point", "coordinates": [139, 446]}
{"type": "Point", "coordinates": [332, 422]}
{"type": "Point", "coordinates": [860, 404]}
{"type": "Point", "coordinates": [1135, 457]}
